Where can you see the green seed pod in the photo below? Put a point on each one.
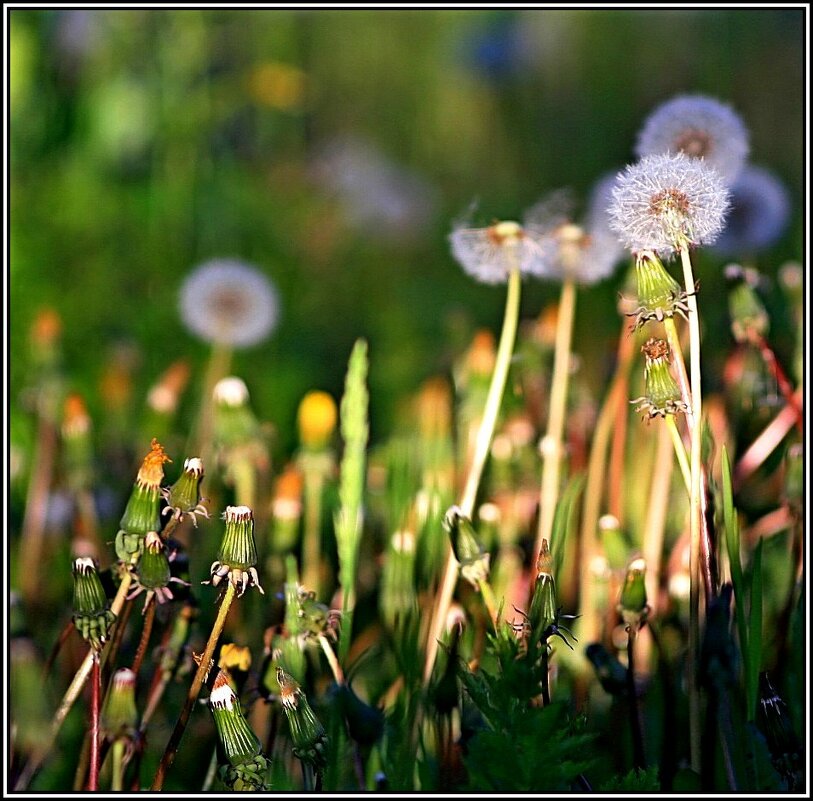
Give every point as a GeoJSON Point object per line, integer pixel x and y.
{"type": "Point", "coordinates": [153, 567]}
{"type": "Point", "coordinates": [307, 733]}
{"type": "Point", "coordinates": [749, 320]}
{"type": "Point", "coordinates": [239, 743]}
{"type": "Point", "coordinates": [141, 514]}
{"type": "Point", "coordinates": [542, 609]}
{"type": "Point", "coordinates": [183, 497]}
{"type": "Point", "coordinates": [662, 392]}
{"type": "Point", "coordinates": [119, 716]}
{"type": "Point", "coordinates": [91, 613]}
{"type": "Point", "coordinates": [237, 548]}
{"type": "Point", "coordinates": [659, 295]}
{"type": "Point", "coordinates": [468, 550]}
{"type": "Point", "coordinates": [633, 605]}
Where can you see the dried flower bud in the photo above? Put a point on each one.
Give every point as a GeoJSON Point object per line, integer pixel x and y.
{"type": "Point", "coordinates": [91, 610]}
{"type": "Point", "coordinates": [659, 295]}
{"type": "Point", "coordinates": [316, 419]}
{"type": "Point", "coordinates": [119, 716]}
{"type": "Point", "coordinates": [468, 550]}
{"type": "Point", "coordinates": [542, 609]}
{"type": "Point", "coordinates": [662, 392]}
{"type": "Point", "coordinates": [307, 733]}
{"type": "Point", "coordinates": [183, 497]}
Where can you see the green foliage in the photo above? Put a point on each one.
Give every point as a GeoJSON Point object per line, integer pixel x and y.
{"type": "Point", "coordinates": [636, 781]}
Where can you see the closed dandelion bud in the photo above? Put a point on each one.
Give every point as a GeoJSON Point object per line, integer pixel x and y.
{"type": "Point", "coordinates": [91, 614]}
{"type": "Point", "coordinates": [633, 606]}
{"type": "Point", "coordinates": [153, 566]}
{"type": "Point", "coordinates": [141, 514]}
{"type": "Point", "coordinates": [468, 550]}
{"type": "Point", "coordinates": [234, 421]}
{"type": "Point", "coordinates": [542, 609]}
{"type": "Point", "coordinates": [615, 544]}
{"type": "Point", "coordinates": [237, 557]}
{"type": "Point", "coordinates": [316, 419]}
{"type": "Point", "coordinates": [662, 392]}
{"type": "Point", "coordinates": [307, 733]}
{"type": "Point", "coordinates": [119, 716]}
{"type": "Point", "coordinates": [183, 497]}
{"type": "Point", "coordinates": [659, 295]}
{"type": "Point", "coordinates": [77, 444]}
{"type": "Point", "coordinates": [749, 320]}
{"type": "Point", "coordinates": [238, 741]}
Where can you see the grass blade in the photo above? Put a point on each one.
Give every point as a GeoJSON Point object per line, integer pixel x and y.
{"type": "Point", "coordinates": [755, 632]}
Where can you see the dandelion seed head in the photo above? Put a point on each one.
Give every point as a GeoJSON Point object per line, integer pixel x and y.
{"type": "Point", "coordinates": [230, 391]}
{"type": "Point", "coordinates": [699, 127]}
{"type": "Point", "coordinates": [667, 202]}
{"type": "Point", "coordinates": [229, 303]}
{"type": "Point", "coordinates": [760, 209]}
{"type": "Point", "coordinates": [490, 254]}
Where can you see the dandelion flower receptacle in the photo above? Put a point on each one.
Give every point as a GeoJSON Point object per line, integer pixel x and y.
{"type": "Point", "coordinates": [663, 395]}
{"type": "Point", "coordinates": [659, 295]}
{"type": "Point", "coordinates": [183, 497]}
{"type": "Point", "coordinates": [153, 574]}
{"type": "Point", "coordinates": [229, 303]}
{"type": "Point", "coordinates": [633, 604]}
{"type": "Point", "coordinates": [668, 203]}
{"type": "Point", "coordinates": [237, 557]}
{"type": "Point", "coordinates": [699, 127]}
{"type": "Point", "coordinates": [307, 733]}
{"type": "Point", "coordinates": [91, 610]}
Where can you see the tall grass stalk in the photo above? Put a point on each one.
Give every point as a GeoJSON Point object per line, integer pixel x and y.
{"type": "Point", "coordinates": [552, 441]}
{"type": "Point", "coordinates": [349, 518]}
{"type": "Point", "coordinates": [483, 444]}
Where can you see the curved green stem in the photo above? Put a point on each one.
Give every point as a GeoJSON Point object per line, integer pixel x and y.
{"type": "Point", "coordinates": [203, 669]}
{"type": "Point", "coordinates": [680, 451]}
{"type": "Point", "coordinates": [552, 442]}
{"type": "Point", "coordinates": [482, 445]}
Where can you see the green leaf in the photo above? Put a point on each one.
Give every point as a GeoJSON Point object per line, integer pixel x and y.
{"type": "Point", "coordinates": [637, 780]}
{"type": "Point", "coordinates": [755, 632]}
{"type": "Point", "coordinates": [564, 521]}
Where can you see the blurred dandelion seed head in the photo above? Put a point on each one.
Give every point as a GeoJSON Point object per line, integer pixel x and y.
{"type": "Point", "coordinates": [230, 391]}
{"type": "Point", "coordinates": [667, 202]}
{"type": "Point", "coordinates": [490, 254]}
{"type": "Point", "coordinates": [760, 209]}
{"type": "Point", "coordinates": [699, 127]}
{"type": "Point", "coordinates": [227, 302]}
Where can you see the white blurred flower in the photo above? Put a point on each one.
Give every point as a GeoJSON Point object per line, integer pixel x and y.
{"type": "Point", "coordinates": [229, 303]}
{"type": "Point", "coordinates": [668, 202]}
{"type": "Point", "coordinates": [702, 128]}
{"type": "Point", "coordinates": [230, 391]}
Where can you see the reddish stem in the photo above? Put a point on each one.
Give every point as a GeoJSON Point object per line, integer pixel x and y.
{"type": "Point", "coordinates": [95, 692]}
{"type": "Point", "coordinates": [769, 357]}
{"type": "Point", "coordinates": [149, 617]}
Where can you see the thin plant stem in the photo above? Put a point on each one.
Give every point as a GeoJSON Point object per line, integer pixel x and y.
{"type": "Point", "coordinates": [210, 772]}
{"type": "Point", "coordinates": [335, 667]}
{"type": "Point", "coordinates": [654, 528]}
{"type": "Point", "coordinates": [218, 367]}
{"type": "Point", "coordinates": [71, 694]}
{"type": "Point", "coordinates": [552, 441]}
{"type": "Point", "coordinates": [782, 381]}
{"type": "Point", "coordinates": [95, 692]}
{"type": "Point", "coordinates": [680, 452]}
{"type": "Point", "coordinates": [149, 617]}
{"type": "Point", "coordinates": [639, 760]}
{"type": "Point", "coordinates": [203, 668]}
{"type": "Point", "coordinates": [668, 761]}
{"type": "Point", "coordinates": [695, 512]}
{"type": "Point", "coordinates": [63, 636]}
{"type": "Point", "coordinates": [489, 600]}
{"type": "Point", "coordinates": [545, 678]}
{"type": "Point", "coordinates": [307, 777]}
{"type": "Point", "coordinates": [117, 781]}
{"type": "Point", "coordinates": [481, 449]}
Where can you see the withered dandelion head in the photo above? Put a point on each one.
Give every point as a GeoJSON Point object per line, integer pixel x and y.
{"type": "Point", "coordinates": [666, 203]}
{"type": "Point", "coordinates": [699, 127]}
{"type": "Point", "coordinates": [229, 303]}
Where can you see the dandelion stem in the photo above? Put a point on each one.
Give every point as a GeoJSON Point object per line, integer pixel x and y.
{"type": "Point", "coordinates": [63, 635]}
{"type": "Point", "coordinates": [482, 445]}
{"type": "Point", "coordinates": [680, 452]}
{"type": "Point", "coordinates": [203, 668]}
{"type": "Point", "coordinates": [769, 357]}
{"type": "Point", "coordinates": [552, 442]}
{"type": "Point", "coordinates": [218, 367]}
{"type": "Point", "coordinates": [311, 550]}
{"type": "Point", "coordinates": [117, 781]}
{"type": "Point", "coordinates": [71, 694]}
{"type": "Point", "coordinates": [695, 513]}
{"type": "Point", "coordinates": [489, 600]}
{"type": "Point", "coordinates": [332, 660]}
{"type": "Point", "coordinates": [95, 687]}
{"type": "Point", "coordinates": [639, 761]}
{"type": "Point", "coordinates": [149, 617]}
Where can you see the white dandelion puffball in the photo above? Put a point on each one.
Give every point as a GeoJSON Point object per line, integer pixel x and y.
{"type": "Point", "coordinates": [668, 202]}
{"type": "Point", "coordinates": [702, 128]}
{"type": "Point", "coordinates": [490, 254]}
{"type": "Point", "coordinates": [228, 302]}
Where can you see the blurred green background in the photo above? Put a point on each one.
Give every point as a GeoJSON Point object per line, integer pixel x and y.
{"type": "Point", "coordinates": [335, 150]}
